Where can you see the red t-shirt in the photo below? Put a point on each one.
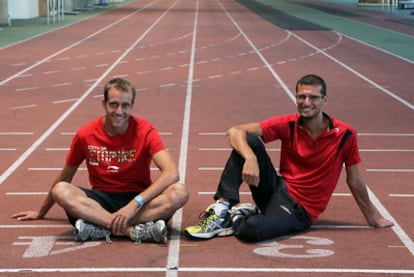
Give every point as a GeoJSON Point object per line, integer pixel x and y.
{"type": "Point", "coordinates": [310, 168]}
{"type": "Point", "coordinates": [116, 163]}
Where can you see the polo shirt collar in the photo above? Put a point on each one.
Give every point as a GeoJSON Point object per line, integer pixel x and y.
{"type": "Point", "coordinates": [330, 123]}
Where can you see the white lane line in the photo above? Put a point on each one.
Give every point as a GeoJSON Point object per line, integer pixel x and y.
{"type": "Point", "coordinates": [207, 270]}
{"type": "Point", "coordinates": [26, 89]}
{"type": "Point", "coordinates": [400, 195]}
{"type": "Point", "coordinates": [248, 192]}
{"type": "Point", "coordinates": [212, 133]}
{"type": "Point", "coordinates": [52, 168]}
{"type": "Point", "coordinates": [61, 85]}
{"type": "Point", "coordinates": [168, 85]}
{"type": "Point", "coordinates": [391, 170]}
{"type": "Point", "coordinates": [16, 133]}
{"type": "Point", "coordinates": [278, 149]}
{"type": "Point", "coordinates": [397, 228]}
{"type": "Point", "coordinates": [35, 226]}
{"type": "Point", "coordinates": [8, 149]}
{"type": "Point", "coordinates": [64, 101]}
{"type": "Point", "coordinates": [23, 107]}
{"type": "Point", "coordinates": [386, 134]}
{"type": "Point", "coordinates": [386, 150]}
{"type": "Point", "coordinates": [174, 246]}
{"type": "Point", "coordinates": [212, 193]}
{"type": "Point", "coordinates": [51, 72]}
{"type": "Point", "coordinates": [27, 193]}
{"type": "Point", "coordinates": [352, 227]}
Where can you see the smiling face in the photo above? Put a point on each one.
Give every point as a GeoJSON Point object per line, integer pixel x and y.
{"type": "Point", "coordinates": [117, 106]}
{"type": "Point", "coordinates": [309, 101]}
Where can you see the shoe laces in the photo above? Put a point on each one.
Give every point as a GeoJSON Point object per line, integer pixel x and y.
{"type": "Point", "coordinates": [97, 232]}
{"type": "Point", "coordinates": [93, 232]}
{"type": "Point", "coordinates": [142, 232]}
{"type": "Point", "coordinates": [207, 217]}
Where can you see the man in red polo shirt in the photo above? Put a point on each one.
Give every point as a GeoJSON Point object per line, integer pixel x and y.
{"type": "Point", "coordinates": [314, 148]}
{"type": "Point", "coordinates": [118, 149]}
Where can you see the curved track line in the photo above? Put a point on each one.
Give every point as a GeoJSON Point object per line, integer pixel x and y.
{"type": "Point", "coordinates": [360, 75]}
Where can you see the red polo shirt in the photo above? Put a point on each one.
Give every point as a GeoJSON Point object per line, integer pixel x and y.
{"type": "Point", "coordinates": [310, 168]}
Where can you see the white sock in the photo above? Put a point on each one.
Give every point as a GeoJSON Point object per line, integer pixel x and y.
{"type": "Point", "coordinates": [221, 208]}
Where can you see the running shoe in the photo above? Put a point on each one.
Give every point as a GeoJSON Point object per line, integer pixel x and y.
{"type": "Point", "coordinates": [210, 225]}
{"type": "Point", "coordinates": [85, 231]}
{"type": "Point", "coordinates": [150, 231]}
{"type": "Point", "coordinates": [242, 210]}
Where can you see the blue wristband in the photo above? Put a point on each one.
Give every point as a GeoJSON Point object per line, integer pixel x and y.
{"type": "Point", "coordinates": [139, 200]}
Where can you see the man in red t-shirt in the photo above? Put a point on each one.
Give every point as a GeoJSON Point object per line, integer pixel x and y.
{"type": "Point", "coordinates": [118, 149]}
{"type": "Point", "coordinates": [314, 149]}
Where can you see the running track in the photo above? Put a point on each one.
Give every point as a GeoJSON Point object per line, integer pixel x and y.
{"type": "Point", "coordinates": [201, 67]}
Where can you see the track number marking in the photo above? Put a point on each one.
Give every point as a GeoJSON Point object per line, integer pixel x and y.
{"type": "Point", "coordinates": [287, 249]}
{"type": "Point", "coordinates": [43, 246]}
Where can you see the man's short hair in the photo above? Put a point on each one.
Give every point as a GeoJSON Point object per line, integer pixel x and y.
{"type": "Point", "coordinates": [122, 85]}
{"type": "Point", "coordinates": [312, 80]}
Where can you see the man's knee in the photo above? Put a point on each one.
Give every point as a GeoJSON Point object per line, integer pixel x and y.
{"type": "Point", "coordinates": [64, 193]}
{"type": "Point", "coordinates": [60, 191]}
{"type": "Point", "coordinates": [244, 231]}
{"type": "Point", "coordinates": [255, 142]}
{"type": "Point", "coordinates": [178, 195]}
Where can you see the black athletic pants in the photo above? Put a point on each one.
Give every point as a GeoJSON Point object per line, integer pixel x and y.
{"type": "Point", "coordinates": [279, 213]}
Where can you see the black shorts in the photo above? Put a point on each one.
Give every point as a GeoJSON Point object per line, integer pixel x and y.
{"type": "Point", "coordinates": [110, 201]}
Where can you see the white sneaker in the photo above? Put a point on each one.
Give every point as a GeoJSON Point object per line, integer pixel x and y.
{"type": "Point", "coordinates": [150, 231]}
{"type": "Point", "coordinates": [242, 210]}
{"type": "Point", "coordinates": [87, 231]}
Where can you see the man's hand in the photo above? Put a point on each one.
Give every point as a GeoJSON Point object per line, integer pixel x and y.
{"type": "Point", "coordinates": [27, 215]}
{"type": "Point", "coordinates": [120, 221]}
{"type": "Point", "coordinates": [251, 173]}
{"type": "Point", "coordinates": [381, 222]}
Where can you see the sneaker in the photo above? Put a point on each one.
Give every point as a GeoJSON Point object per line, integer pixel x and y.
{"type": "Point", "coordinates": [242, 210]}
{"type": "Point", "coordinates": [211, 225]}
{"type": "Point", "coordinates": [150, 231]}
{"type": "Point", "coordinates": [87, 231]}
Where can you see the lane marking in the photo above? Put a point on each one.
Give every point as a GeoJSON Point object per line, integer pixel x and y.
{"type": "Point", "coordinates": [386, 134]}
{"type": "Point", "coordinates": [353, 227]}
{"type": "Point", "coordinates": [208, 269]}
{"type": "Point", "coordinates": [174, 246]}
{"type": "Point", "coordinates": [391, 170]}
{"type": "Point", "coordinates": [64, 101]}
{"type": "Point", "coordinates": [27, 193]}
{"type": "Point", "coordinates": [25, 89]}
{"type": "Point", "coordinates": [35, 226]}
{"type": "Point", "coordinates": [397, 228]}
{"type": "Point", "coordinates": [386, 150]}
{"type": "Point", "coordinates": [23, 107]}
{"type": "Point", "coordinates": [16, 133]}
{"type": "Point", "coordinates": [400, 195]}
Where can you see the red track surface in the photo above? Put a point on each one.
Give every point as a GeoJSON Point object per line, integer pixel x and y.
{"type": "Point", "coordinates": [201, 67]}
